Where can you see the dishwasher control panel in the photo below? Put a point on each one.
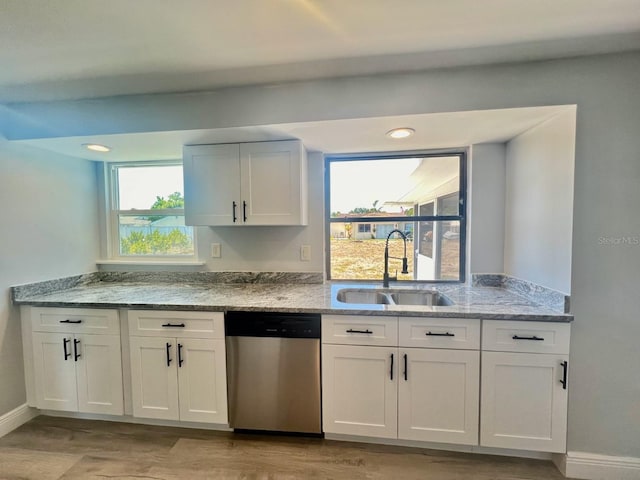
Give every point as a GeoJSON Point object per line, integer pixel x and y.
{"type": "Point", "coordinates": [272, 324]}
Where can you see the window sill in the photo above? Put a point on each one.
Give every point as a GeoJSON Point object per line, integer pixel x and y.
{"type": "Point", "coordinates": [173, 263]}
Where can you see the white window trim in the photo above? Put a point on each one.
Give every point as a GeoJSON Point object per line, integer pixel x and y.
{"type": "Point", "coordinates": [113, 211]}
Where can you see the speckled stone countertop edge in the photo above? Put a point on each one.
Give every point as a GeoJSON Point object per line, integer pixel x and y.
{"type": "Point", "coordinates": [469, 301]}
{"type": "Point", "coordinates": [532, 291]}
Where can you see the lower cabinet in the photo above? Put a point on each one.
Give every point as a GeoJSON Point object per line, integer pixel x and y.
{"type": "Point", "coordinates": [524, 405]}
{"type": "Point", "coordinates": [524, 385]}
{"type": "Point", "coordinates": [178, 377]}
{"type": "Point", "coordinates": [423, 394]}
{"type": "Point", "coordinates": [359, 390]}
{"type": "Point", "coordinates": [438, 395]}
{"type": "Point", "coordinates": [78, 372]}
{"type": "Point", "coordinates": [75, 371]}
{"type": "Point", "coordinates": [412, 394]}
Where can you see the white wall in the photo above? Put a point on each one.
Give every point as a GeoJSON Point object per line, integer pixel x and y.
{"type": "Point", "coordinates": [486, 204]}
{"type": "Point", "coordinates": [604, 382]}
{"type": "Point", "coordinates": [48, 229]}
{"type": "Point", "coordinates": [539, 203]}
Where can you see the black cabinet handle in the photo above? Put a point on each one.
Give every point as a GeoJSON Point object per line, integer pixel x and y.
{"type": "Point", "coordinates": [76, 355]}
{"type": "Point", "coordinates": [70, 321]}
{"type": "Point", "coordinates": [564, 374]}
{"type": "Point", "coordinates": [168, 354]}
{"type": "Point", "coordinates": [446, 334]}
{"type": "Point", "coordinates": [234, 211]}
{"type": "Point", "coordinates": [180, 359]}
{"type": "Point", "coordinates": [533, 337]}
{"type": "Point", "coordinates": [367, 331]}
{"type": "Point", "coordinates": [174, 325]}
{"type": "Point", "coordinates": [67, 354]}
{"type": "Point", "coordinates": [391, 369]}
{"type": "Point", "coordinates": [405, 367]}
{"type": "Point", "coordinates": [244, 210]}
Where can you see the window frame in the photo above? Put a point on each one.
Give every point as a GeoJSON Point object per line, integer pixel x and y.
{"type": "Point", "coordinates": [461, 153]}
{"type": "Point", "coordinates": [113, 212]}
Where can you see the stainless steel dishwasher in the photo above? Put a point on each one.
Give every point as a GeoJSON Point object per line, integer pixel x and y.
{"type": "Point", "coordinates": [273, 371]}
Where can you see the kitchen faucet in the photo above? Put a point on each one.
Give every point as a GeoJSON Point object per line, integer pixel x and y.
{"type": "Point", "coordinates": [386, 277]}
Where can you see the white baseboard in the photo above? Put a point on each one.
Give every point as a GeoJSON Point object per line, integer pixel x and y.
{"type": "Point", "coordinates": [16, 417]}
{"type": "Point", "coordinates": [592, 466]}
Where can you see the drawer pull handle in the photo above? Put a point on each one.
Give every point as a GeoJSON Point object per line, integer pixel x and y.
{"type": "Point", "coordinates": [168, 354]}
{"type": "Point", "coordinates": [70, 321]}
{"type": "Point", "coordinates": [533, 337]}
{"type": "Point", "coordinates": [391, 369]}
{"type": "Point", "coordinates": [175, 325]}
{"type": "Point", "coordinates": [564, 374]}
{"type": "Point", "coordinates": [67, 354]}
{"type": "Point", "coordinates": [76, 355]}
{"type": "Point", "coordinates": [367, 331]}
{"type": "Point", "coordinates": [446, 334]}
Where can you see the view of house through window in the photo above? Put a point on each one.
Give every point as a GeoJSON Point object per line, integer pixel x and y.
{"type": "Point", "coordinates": [422, 196]}
{"type": "Point", "coordinates": [148, 210]}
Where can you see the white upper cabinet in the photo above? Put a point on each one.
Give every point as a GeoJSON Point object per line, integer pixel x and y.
{"type": "Point", "coordinates": [262, 183]}
{"type": "Point", "coordinates": [212, 184]}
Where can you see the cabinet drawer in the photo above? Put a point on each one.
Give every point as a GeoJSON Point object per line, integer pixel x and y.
{"type": "Point", "coordinates": [360, 330]}
{"type": "Point", "coordinates": [74, 320]}
{"type": "Point", "coordinates": [154, 323]}
{"type": "Point", "coordinates": [527, 337]}
{"type": "Point", "coordinates": [453, 333]}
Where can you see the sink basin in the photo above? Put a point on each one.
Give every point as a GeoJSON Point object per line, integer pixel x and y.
{"type": "Point", "coordinates": [363, 296]}
{"type": "Point", "coordinates": [391, 296]}
{"type": "Point", "coordinates": [411, 297]}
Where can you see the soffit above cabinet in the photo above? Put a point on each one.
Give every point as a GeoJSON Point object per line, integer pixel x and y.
{"type": "Point", "coordinates": [435, 130]}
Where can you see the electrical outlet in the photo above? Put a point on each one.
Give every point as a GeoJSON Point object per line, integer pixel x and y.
{"type": "Point", "coordinates": [215, 250]}
{"type": "Point", "coordinates": [305, 253]}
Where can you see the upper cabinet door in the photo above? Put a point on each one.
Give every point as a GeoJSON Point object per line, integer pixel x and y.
{"type": "Point", "coordinates": [273, 183]}
{"type": "Point", "coordinates": [212, 185]}
{"type": "Point", "coordinates": [262, 183]}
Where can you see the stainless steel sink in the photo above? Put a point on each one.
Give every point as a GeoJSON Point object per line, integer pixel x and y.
{"type": "Point", "coordinates": [363, 296]}
{"type": "Point", "coordinates": [411, 297]}
{"type": "Point", "coordinates": [392, 296]}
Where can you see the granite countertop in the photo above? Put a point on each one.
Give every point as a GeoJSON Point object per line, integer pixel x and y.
{"type": "Point", "coordinates": [283, 293]}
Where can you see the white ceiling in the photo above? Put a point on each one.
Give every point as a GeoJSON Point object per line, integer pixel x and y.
{"type": "Point", "coordinates": [433, 131]}
{"type": "Point", "coordinates": [69, 49]}
{"type": "Point", "coordinates": [78, 48]}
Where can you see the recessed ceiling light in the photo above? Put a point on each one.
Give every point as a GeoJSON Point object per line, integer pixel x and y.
{"type": "Point", "coordinates": [96, 147]}
{"type": "Point", "coordinates": [401, 132]}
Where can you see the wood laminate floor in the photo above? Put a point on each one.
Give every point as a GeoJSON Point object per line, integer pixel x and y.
{"type": "Point", "coordinates": [60, 448]}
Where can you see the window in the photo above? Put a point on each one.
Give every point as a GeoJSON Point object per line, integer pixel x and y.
{"type": "Point", "coordinates": [421, 195]}
{"type": "Point", "coordinates": [147, 211]}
